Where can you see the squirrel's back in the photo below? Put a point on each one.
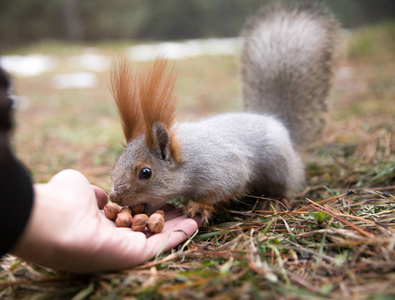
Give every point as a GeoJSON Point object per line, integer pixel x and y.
{"type": "Point", "coordinates": [287, 66]}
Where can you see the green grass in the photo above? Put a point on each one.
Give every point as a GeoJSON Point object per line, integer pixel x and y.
{"type": "Point", "coordinates": [376, 42]}
{"type": "Point", "coordinates": [342, 247]}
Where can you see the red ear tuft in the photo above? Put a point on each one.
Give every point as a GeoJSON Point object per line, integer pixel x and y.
{"type": "Point", "coordinates": [125, 90]}
{"type": "Point", "coordinates": [159, 101]}
{"type": "Point", "coordinates": [145, 98]}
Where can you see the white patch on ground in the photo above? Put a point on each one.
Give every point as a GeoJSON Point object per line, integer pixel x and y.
{"type": "Point", "coordinates": [29, 65]}
{"type": "Point", "coordinates": [186, 49]}
{"type": "Point", "coordinates": [74, 80]}
{"type": "Point", "coordinates": [90, 61]}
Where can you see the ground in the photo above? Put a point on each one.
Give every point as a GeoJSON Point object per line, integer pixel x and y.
{"type": "Point", "coordinates": [337, 241]}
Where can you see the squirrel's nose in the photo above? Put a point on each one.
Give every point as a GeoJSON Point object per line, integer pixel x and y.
{"type": "Point", "coordinates": [114, 197]}
{"type": "Point", "coordinates": [117, 192]}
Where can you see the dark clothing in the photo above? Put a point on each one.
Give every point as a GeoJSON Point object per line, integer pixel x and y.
{"type": "Point", "coordinates": [16, 191]}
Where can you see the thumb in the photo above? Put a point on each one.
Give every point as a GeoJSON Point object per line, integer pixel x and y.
{"type": "Point", "coordinates": [74, 187]}
{"type": "Point", "coordinates": [67, 176]}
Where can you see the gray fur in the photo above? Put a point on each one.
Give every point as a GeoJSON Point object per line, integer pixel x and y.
{"type": "Point", "coordinates": [287, 66]}
{"type": "Point", "coordinates": [224, 157]}
{"type": "Point", "coordinates": [242, 153]}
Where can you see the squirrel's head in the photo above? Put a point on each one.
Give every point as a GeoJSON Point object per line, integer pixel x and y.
{"type": "Point", "coordinates": [145, 173]}
{"type": "Point", "coordinates": [146, 176]}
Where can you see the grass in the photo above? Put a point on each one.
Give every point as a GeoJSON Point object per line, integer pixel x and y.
{"type": "Point", "coordinates": [336, 242]}
{"type": "Point", "coordinates": [375, 42]}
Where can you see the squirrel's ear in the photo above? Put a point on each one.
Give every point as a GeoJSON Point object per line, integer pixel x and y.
{"type": "Point", "coordinates": [161, 139]}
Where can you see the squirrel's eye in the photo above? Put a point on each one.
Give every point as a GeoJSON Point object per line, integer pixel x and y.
{"type": "Point", "coordinates": [145, 173]}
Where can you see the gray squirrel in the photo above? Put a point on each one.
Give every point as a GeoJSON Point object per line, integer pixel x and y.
{"type": "Point", "coordinates": [287, 66]}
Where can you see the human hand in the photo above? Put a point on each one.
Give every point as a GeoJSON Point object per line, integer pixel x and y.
{"type": "Point", "coordinates": [67, 231]}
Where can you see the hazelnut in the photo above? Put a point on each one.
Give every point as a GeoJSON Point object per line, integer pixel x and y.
{"type": "Point", "coordinates": [123, 220]}
{"type": "Point", "coordinates": [126, 210]}
{"type": "Point", "coordinates": [155, 223]}
{"type": "Point", "coordinates": [137, 209]}
{"type": "Point", "coordinates": [139, 222]}
{"type": "Point", "coordinates": [161, 212]}
{"type": "Point", "coordinates": [111, 210]}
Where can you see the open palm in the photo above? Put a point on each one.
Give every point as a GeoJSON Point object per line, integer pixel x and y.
{"type": "Point", "coordinates": [68, 231]}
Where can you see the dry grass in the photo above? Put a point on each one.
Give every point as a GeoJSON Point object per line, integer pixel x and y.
{"type": "Point", "coordinates": [337, 241]}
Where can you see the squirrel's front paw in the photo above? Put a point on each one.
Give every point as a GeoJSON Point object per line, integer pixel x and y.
{"type": "Point", "coordinates": [197, 209]}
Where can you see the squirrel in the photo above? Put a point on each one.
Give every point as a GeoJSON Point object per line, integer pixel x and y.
{"type": "Point", "coordinates": [287, 65]}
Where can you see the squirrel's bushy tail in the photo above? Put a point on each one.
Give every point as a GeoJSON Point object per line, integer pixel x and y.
{"type": "Point", "coordinates": [287, 66]}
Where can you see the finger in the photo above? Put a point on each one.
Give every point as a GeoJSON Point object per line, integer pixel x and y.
{"type": "Point", "coordinates": [170, 237]}
{"type": "Point", "coordinates": [175, 213]}
{"type": "Point", "coordinates": [170, 224]}
{"type": "Point", "coordinates": [101, 197]}
{"type": "Point", "coordinates": [171, 213]}
{"type": "Point", "coordinates": [124, 248]}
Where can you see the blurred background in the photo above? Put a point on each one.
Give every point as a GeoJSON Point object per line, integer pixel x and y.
{"type": "Point", "coordinates": [23, 22]}
{"type": "Point", "coordinates": [58, 53]}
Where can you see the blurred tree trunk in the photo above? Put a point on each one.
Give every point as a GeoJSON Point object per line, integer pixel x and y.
{"type": "Point", "coordinates": [72, 21]}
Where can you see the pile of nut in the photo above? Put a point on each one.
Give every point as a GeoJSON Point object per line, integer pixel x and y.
{"type": "Point", "coordinates": [134, 217]}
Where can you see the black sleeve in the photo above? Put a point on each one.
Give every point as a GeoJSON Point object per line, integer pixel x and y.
{"type": "Point", "coordinates": [16, 192]}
